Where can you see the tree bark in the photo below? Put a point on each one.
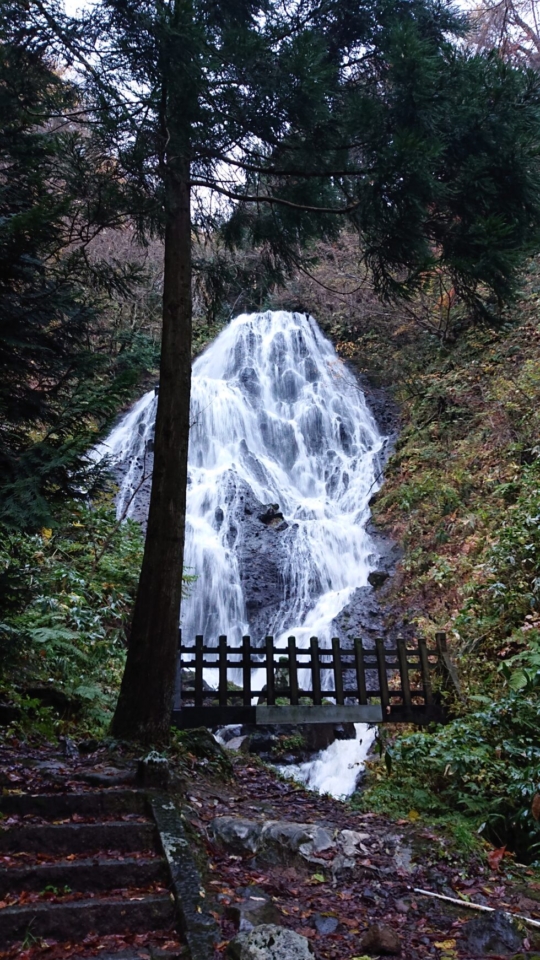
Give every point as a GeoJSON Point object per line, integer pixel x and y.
{"type": "Point", "coordinates": [144, 706]}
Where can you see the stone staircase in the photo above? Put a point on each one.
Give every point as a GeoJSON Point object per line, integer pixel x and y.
{"type": "Point", "coordinates": [84, 864]}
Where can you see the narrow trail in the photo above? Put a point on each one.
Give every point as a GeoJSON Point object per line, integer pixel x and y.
{"type": "Point", "coordinates": [330, 894]}
{"type": "Point", "coordinates": [335, 912]}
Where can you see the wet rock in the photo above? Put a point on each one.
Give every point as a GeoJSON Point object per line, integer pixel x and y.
{"type": "Point", "coordinates": [276, 841]}
{"type": "Point", "coordinates": [69, 748]}
{"type": "Point", "coordinates": [380, 939]}
{"type": "Point", "coordinates": [325, 924]}
{"type": "Point", "coordinates": [203, 744]}
{"type": "Point", "coordinates": [256, 908]}
{"type": "Point", "coordinates": [231, 732]}
{"type": "Point", "coordinates": [492, 933]}
{"type": "Point", "coordinates": [270, 942]}
{"type": "Point", "coordinates": [262, 743]}
{"type": "Point", "coordinates": [261, 549]}
{"type": "Point", "coordinates": [300, 741]}
{"type": "Point", "coordinates": [238, 833]}
{"type": "Point", "coordinates": [305, 839]}
{"type": "Point", "coordinates": [272, 515]}
{"type": "Point", "coordinates": [241, 744]}
{"type": "Point", "coordinates": [188, 682]}
{"type": "Point", "coordinates": [351, 842]}
{"type": "Point", "coordinates": [343, 868]}
{"type": "Point", "coordinates": [377, 577]}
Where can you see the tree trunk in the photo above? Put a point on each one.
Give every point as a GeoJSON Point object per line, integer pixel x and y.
{"type": "Point", "coordinates": [144, 707]}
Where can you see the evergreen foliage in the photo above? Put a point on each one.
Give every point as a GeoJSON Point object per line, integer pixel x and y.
{"type": "Point", "coordinates": [58, 386]}
{"type": "Point", "coordinates": [66, 597]}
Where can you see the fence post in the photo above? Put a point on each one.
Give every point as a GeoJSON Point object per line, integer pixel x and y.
{"type": "Point", "coordinates": [222, 686]}
{"type": "Point", "coordinates": [293, 672]}
{"type": "Point", "coordinates": [360, 671]}
{"type": "Point", "coordinates": [246, 670]}
{"type": "Point", "coordinates": [424, 667]}
{"type": "Point", "coordinates": [199, 640]}
{"type": "Point", "coordinates": [383, 679]}
{"type": "Point", "coordinates": [338, 672]}
{"type": "Point", "coordinates": [315, 672]}
{"type": "Point", "coordinates": [445, 666]}
{"type": "Point", "coordinates": [270, 685]}
{"type": "Point", "coordinates": [177, 696]}
{"type": "Point", "coordinates": [404, 673]}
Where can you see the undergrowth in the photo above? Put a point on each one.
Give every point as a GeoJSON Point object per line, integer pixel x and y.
{"type": "Point", "coordinates": [66, 595]}
{"type": "Point", "coordinates": [462, 497]}
{"type": "Point", "coordinates": [462, 494]}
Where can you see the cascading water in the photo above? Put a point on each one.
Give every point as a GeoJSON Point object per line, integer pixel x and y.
{"type": "Point", "coordinates": [283, 458]}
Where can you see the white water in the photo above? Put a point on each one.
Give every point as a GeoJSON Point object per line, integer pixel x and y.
{"type": "Point", "coordinates": [273, 407]}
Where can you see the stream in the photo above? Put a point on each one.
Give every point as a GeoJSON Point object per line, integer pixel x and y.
{"type": "Point", "coordinates": [284, 456]}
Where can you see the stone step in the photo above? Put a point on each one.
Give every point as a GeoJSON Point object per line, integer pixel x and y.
{"type": "Point", "coordinates": [54, 806]}
{"type": "Point", "coordinates": [78, 837]}
{"type": "Point", "coordinates": [148, 952]}
{"type": "Point", "coordinates": [75, 920]}
{"type": "Point", "coordinates": [90, 875]}
{"type": "Point", "coordinates": [142, 953]}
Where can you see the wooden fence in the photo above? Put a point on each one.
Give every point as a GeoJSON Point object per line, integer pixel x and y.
{"type": "Point", "coordinates": [316, 684]}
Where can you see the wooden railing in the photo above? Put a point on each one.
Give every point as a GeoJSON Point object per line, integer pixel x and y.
{"type": "Point", "coordinates": [315, 684]}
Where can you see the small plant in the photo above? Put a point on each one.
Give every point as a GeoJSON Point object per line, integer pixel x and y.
{"type": "Point", "coordinates": [289, 743]}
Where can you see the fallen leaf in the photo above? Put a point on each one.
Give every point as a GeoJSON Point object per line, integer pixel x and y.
{"type": "Point", "coordinates": [494, 858]}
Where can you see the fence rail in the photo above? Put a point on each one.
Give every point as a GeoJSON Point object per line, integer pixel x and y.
{"type": "Point", "coordinates": [316, 684]}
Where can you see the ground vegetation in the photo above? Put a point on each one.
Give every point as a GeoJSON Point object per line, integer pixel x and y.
{"type": "Point", "coordinates": [461, 496]}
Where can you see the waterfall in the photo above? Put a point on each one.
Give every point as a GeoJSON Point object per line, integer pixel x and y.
{"type": "Point", "coordinates": [283, 458]}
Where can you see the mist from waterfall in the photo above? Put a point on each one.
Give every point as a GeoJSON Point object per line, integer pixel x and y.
{"type": "Point", "coordinates": [274, 410]}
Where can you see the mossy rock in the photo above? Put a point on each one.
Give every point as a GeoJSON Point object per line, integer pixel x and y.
{"type": "Point", "coordinates": [202, 744]}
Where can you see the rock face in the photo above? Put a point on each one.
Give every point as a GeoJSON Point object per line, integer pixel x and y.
{"type": "Point", "coordinates": [492, 933]}
{"type": "Point", "coordinates": [281, 841]}
{"type": "Point", "coordinates": [270, 942]}
{"type": "Point", "coordinates": [262, 539]}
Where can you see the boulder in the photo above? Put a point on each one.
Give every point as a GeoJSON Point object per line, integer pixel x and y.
{"type": "Point", "coordinates": [255, 908]}
{"type": "Point", "coordinates": [237, 832]}
{"type": "Point", "coordinates": [377, 577]}
{"type": "Point", "coordinates": [270, 942]}
{"type": "Point", "coordinates": [240, 744]}
{"type": "Point", "coordinates": [380, 939]}
{"type": "Point", "coordinates": [492, 933]}
{"type": "Point", "coordinates": [276, 841]}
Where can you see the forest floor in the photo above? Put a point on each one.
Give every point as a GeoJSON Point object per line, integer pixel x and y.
{"type": "Point", "coordinates": [398, 858]}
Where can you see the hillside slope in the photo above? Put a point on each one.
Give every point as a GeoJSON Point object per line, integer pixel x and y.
{"type": "Point", "coordinates": [462, 496]}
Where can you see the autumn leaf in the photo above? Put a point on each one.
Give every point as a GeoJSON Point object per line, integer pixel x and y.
{"type": "Point", "coordinates": [494, 858]}
{"type": "Point", "coordinates": [535, 806]}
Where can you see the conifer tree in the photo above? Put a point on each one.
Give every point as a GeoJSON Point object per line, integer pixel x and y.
{"type": "Point", "coordinates": [294, 116]}
{"type": "Point", "coordinates": [55, 194]}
